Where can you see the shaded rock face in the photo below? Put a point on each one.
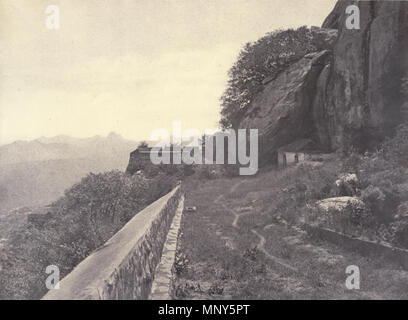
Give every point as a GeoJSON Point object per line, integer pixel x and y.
{"type": "Point", "coordinates": [360, 95]}
{"type": "Point", "coordinates": [347, 97]}
{"type": "Point", "coordinates": [282, 111]}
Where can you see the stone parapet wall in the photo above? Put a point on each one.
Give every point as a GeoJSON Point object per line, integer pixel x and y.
{"type": "Point", "coordinates": [364, 247]}
{"type": "Point", "coordinates": [123, 268]}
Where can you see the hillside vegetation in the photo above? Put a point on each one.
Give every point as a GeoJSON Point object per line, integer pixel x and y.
{"type": "Point", "coordinates": [37, 172]}
{"type": "Point", "coordinates": [246, 239]}
{"type": "Point", "coordinates": [68, 230]}
{"type": "Point", "coordinates": [265, 59]}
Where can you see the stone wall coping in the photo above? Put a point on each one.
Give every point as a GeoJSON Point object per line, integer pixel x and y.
{"type": "Point", "coordinates": [89, 275]}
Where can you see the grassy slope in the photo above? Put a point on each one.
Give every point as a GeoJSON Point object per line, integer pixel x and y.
{"type": "Point", "coordinates": [83, 219]}
{"type": "Point", "coordinates": [255, 256]}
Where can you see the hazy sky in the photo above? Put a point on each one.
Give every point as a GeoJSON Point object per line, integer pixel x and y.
{"type": "Point", "coordinates": [129, 66]}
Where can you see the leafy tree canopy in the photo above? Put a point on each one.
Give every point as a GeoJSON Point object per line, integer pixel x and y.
{"type": "Point", "coordinates": [265, 58]}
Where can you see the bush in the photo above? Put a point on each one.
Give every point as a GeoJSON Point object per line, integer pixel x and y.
{"type": "Point", "coordinates": [381, 200]}
{"type": "Point", "coordinates": [264, 58]}
{"type": "Point", "coordinates": [396, 149]}
{"type": "Point", "coordinates": [374, 198]}
{"type": "Point", "coordinates": [400, 233]}
{"type": "Point", "coordinates": [205, 173]}
{"type": "Point", "coordinates": [79, 222]}
{"type": "Point", "coordinates": [352, 162]}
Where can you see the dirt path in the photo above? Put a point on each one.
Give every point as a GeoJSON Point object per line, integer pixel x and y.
{"type": "Point", "coordinates": [220, 200]}
{"type": "Point", "coordinates": [233, 248]}
{"type": "Point", "coordinates": [261, 247]}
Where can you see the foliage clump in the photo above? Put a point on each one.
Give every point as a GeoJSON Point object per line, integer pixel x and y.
{"type": "Point", "coordinates": [265, 58]}
{"type": "Point", "coordinates": [89, 213]}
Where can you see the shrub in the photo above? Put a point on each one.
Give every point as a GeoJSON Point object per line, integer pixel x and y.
{"type": "Point", "coordinates": [382, 201]}
{"type": "Point", "coordinates": [352, 162]}
{"type": "Point", "coordinates": [264, 58]}
{"type": "Point", "coordinates": [206, 173]}
{"type": "Point", "coordinates": [353, 219]}
{"type": "Point", "coordinates": [79, 222]}
{"type": "Point", "coordinates": [400, 233]}
{"type": "Point", "coordinates": [374, 198]}
{"type": "Point", "coordinates": [396, 149]}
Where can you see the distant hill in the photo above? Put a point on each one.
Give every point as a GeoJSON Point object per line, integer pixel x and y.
{"type": "Point", "coordinates": [37, 172]}
{"type": "Point", "coordinates": [65, 147]}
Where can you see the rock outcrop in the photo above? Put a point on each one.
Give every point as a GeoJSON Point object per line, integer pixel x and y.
{"type": "Point", "coordinates": [339, 204]}
{"type": "Point", "coordinates": [283, 108]}
{"type": "Point", "coordinates": [362, 89]}
{"type": "Point", "coordinates": [347, 97]}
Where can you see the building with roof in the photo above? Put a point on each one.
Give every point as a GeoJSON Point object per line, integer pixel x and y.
{"type": "Point", "coordinates": [295, 152]}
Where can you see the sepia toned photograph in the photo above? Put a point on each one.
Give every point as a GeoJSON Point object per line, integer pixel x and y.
{"type": "Point", "coordinates": [200, 152]}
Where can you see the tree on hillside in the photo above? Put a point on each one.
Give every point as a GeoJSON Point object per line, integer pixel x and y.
{"type": "Point", "coordinates": [265, 58]}
{"type": "Point", "coordinates": [143, 145]}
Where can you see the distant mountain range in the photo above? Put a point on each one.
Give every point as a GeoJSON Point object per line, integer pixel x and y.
{"type": "Point", "coordinates": [37, 172]}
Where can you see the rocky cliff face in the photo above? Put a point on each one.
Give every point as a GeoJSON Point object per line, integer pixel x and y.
{"type": "Point", "coordinates": [282, 112]}
{"type": "Point", "coordinates": [347, 97]}
{"type": "Point", "coordinates": [362, 89]}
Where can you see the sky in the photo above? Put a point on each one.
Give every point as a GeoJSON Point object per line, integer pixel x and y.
{"type": "Point", "coordinates": [128, 66]}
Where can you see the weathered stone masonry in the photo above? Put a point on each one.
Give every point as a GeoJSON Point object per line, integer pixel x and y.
{"type": "Point", "coordinates": [124, 267]}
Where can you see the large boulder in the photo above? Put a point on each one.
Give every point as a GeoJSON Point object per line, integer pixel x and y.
{"type": "Point", "coordinates": [282, 112]}
{"type": "Point", "coordinates": [340, 204]}
{"type": "Point", "coordinates": [344, 214]}
{"type": "Point", "coordinates": [347, 97]}
{"type": "Point", "coordinates": [362, 102]}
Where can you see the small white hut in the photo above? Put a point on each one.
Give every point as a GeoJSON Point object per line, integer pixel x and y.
{"type": "Point", "coordinates": [295, 152]}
